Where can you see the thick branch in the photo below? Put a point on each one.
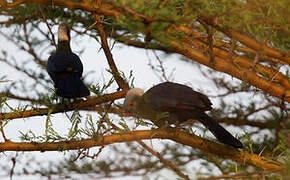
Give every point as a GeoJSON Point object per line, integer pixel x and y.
{"type": "Point", "coordinates": [230, 68]}
{"type": "Point", "coordinates": [240, 60]}
{"type": "Point", "coordinates": [174, 134]}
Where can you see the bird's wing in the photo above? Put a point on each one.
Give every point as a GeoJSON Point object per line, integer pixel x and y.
{"type": "Point", "coordinates": [77, 64]}
{"type": "Point", "coordinates": [173, 96]}
{"type": "Point", "coordinates": [64, 62]}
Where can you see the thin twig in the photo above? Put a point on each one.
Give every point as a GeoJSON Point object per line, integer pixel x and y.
{"type": "Point", "coordinates": [210, 42]}
{"type": "Point", "coordinates": [13, 159]}
{"type": "Point", "coordinates": [45, 21]}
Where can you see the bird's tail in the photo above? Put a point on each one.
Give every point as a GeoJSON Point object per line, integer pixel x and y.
{"type": "Point", "coordinates": [71, 87]}
{"type": "Point", "coordinates": [218, 131]}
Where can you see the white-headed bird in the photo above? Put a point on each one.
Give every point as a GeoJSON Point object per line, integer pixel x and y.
{"type": "Point", "coordinates": [172, 103]}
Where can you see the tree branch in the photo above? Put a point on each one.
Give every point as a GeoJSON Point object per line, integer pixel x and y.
{"type": "Point", "coordinates": [230, 68]}
{"type": "Point", "coordinates": [176, 135]}
{"type": "Point", "coordinates": [120, 81]}
{"type": "Point", "coordinates": [56, 109]}
{"type": "Point", "coordinates": [238, 59]}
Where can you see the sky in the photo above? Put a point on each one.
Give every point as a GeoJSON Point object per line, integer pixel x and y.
{"type": "Point", "coordinates": [126, 58]}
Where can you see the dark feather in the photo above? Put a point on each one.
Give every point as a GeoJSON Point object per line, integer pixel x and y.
{"type": "Point", "coordinates": [173, 95]}
{"type": "Point", "coordinates": [71, 86]}
{"type": "Point", "coordinates": [218, 131]}
{"type": "Point", "coordinates": [65, 69]}
{"type": "Point", "coordinates": [183, 104]}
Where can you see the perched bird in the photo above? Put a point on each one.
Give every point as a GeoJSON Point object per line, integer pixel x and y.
{"type": "Point", "coordinates": [65, 68]}
{"type": "Point", "coordinates": [172, 103]}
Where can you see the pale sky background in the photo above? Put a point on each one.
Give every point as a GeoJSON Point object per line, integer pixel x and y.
{"type": "Point", "coordinates": [126, 59]}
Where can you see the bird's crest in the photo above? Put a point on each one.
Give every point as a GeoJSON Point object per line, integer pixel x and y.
{"type": "Point", "coordinates": [133, 93]}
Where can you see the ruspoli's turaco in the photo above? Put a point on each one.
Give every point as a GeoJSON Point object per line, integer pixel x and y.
{"type": "Point", "coordinates": [180, 103]}
{"type": "Point", "coordinates": [65, 68]}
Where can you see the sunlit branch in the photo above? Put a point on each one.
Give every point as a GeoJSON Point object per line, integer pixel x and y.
{"type": "Point", "coordinates": [230, 68]}
{"type": "Point", "coordinates": [241, 60]}
{"type": "Point", "coordinates": [174, 134]}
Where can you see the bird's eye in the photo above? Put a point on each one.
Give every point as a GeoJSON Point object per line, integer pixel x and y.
{"type": "Point", "coordinates": [130, 103]}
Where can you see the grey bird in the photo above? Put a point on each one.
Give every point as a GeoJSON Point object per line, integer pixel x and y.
{"type": "Point", "coordinates": [65, 68]}
{"type": "Point", "coordinates": [173, 103]}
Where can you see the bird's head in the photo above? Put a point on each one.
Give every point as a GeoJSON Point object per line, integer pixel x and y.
{"type": "Point", "coordinates": [130, 99]}
{"type": "Point", "coordinates": [63, 32]}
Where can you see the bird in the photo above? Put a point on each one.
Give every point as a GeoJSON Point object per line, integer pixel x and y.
{"type": "Point", "coordinates": [65, 67]}
{"type": "Point", "coordinates": [173, 103]}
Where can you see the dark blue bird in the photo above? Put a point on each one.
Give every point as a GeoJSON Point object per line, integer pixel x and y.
{"type": "Point", "coordinates": [65, 68]}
